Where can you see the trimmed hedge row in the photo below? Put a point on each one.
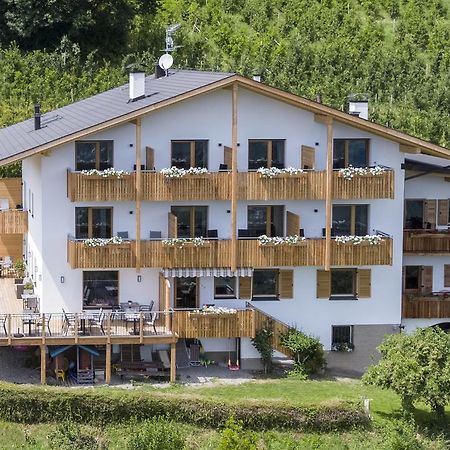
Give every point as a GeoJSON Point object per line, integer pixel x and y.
{"type": "Point", "coordinates": [36, 405]}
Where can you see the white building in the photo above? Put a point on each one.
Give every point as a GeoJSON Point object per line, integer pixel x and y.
{"type": "Point", "coordinates": [348, 295]}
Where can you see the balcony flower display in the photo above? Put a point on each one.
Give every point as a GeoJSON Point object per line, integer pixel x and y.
{"type": "Point", "coordinates": [102, 242]}
{"type": "Point", "coordinates": [357, 240]}
{"type": "Point", "coordinates": [215, 310]}
{"type": "Point", "coordinates": [271, 172]}
{"type": "Point", "coordinates": [111, 172]}
{"type": "Point", "coordinates": [280, 240]}
{"type": "Point", "coordinates": [342, 347]}
{"type": "Point", "coordinates": [183, 242]}
{"type": "Point", "coordinates": [175, 172]}
{"type": "Point", "coordinates": [349, 172]}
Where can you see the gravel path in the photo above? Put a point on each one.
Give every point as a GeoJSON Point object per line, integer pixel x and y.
{"type": "Point", "coordinates": [13, 366]}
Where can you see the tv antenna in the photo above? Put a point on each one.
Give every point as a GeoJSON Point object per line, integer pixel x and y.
{"type": "Point", "coordinates": [166, 60]}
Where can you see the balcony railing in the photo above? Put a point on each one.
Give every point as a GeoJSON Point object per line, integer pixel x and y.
{"type": "Point", "coordinates": [435, 306]}
{"type": "Point", "coordinates": [426, 241]}
{"type": "Point", "coordinates": [309, 185]}
{"type": "Point", "coordinates": [217, 253]}
{"type": "Point", "coordinates": [13, 221]}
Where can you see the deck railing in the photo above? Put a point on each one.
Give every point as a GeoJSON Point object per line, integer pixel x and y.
{"type": "Point", "coordinates": [217, 253]}
{"type": "Point", "coordinates": [13, 221]}
{"type": "Point", "coordinates": [426, 241]}
{"type": "Point", "coordinates": [308, 185]}
{"type": "Point", "coordinates": [435, 306]}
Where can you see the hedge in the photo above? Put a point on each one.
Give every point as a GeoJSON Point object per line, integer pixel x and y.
{"type": "Point", "coordinates": [26, 404]}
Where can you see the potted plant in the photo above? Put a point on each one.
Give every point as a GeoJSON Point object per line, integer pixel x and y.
{"type": "Point", "coordinates": [20, 267]}
{"type": "Point", "coordinates": [28, 287]}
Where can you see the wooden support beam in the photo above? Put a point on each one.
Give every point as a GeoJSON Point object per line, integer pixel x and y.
{"type": "Point", "coordinates": [173, 362]}
{"type": "Point", "coordinates": [322, 118]}
{"type": "Point", "coordinates": [43, 365]}
{"type": "Point", "coordinates": [234, 177]}
{"type": "Point", "coordinates": [167, 303]}
{"type": "Point", "coordinates": [329, 195]}
{"type": "Point", "coordinates": [108, 364]}
{"type": "Point", "coordinates": [410, 149]}
{"type": "Point", "coordinates": [138, 191]}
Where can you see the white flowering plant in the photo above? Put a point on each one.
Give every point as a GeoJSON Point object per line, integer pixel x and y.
{"type": "Point", "coordinates": [111, 172]}
{"type": "Point", "coordinates": [183, 242]}
{"type": "Point", "coordinates": [374, 239]}
{"type": "Point", "coordinates": [271, 172]}
{"type": "Point", "coordinates": [102, 242]}
{"type": "Point", "coordinates": [280, 240]}
{"type": "Point", "coordinates": [342, 347]}
{"type": "Point", "coordinates": [349, 172]}
{"type": "Point", "coordinates": [175, 172]}
{"type": "Point", "coordinates": [209, 309]}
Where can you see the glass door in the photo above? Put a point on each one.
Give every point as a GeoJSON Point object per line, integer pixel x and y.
{"type": "Point", "coordinates": [186, 294]}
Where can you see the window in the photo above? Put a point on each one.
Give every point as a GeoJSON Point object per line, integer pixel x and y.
{"type": "Point", "coordinates": [93, 155]}
{"type": "Point", "coordinates": [266, 220]}
{"type": "Point", "coordinates": [350, 152]}
{"type": "Point", "coordinates": [224, 287]}
{"type": "Point", "coordinates": [186, 154]}
{"type": "Point", "coordinates": [100, 289]}
{"type": "Point", "coordinates": [192, 221]}
{"type": "Point", "coordinates": [93, 223]}
{"type": "Point", "coordinates": [414, 214]}
{"type": "Point", "coordinates": [265, 283]}
{"type": "Point", "coordinates": [350, 220]}
{"type": "Point", "coordinates": [341, 334]}
{"type": "Point", "coordinates": [412, 277]}
{"type": "Point", "coordinates": [264, 153]}
{"type": "Point", "coordinates": [343, 283]}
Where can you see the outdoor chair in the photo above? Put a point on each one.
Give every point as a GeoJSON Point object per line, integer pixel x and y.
{"type": "Point", "coordinates": [99, 320]}
{"type": "Point", "coordinates": [213, 234]}
{"type": "Point", "coordinates": [147, 308]}
{"type": "Point", "coordinates": [3, 320]}
{"type": "Point", "coordinates": [47, 322]}
{"type": "Point", "coordinates": [150, 319]}
{"type": "Point", "coordinates": [223, 167]}
{"type": "Point", "coordinates": [155, 234]}
{"type": "Point", "coordinates": [122, 234]}
{"type": "Point", "coordinates": [68, 323]}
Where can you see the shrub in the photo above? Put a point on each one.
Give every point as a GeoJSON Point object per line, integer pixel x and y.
{"type": "Point", "coordinates": [308, 352]}
{"type": "Point", "coordinates": [263, 343]}
{"type": "Point", "coordinates": [400, 435]}
{"type": "Point", "coordinates": [70, 436]}
{"type": "Point", "coordinates": [157, 433]}
{"type": "Point", "coordinates": [233, 437]}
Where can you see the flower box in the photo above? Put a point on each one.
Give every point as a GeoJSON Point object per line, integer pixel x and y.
{"type": "Point", "coordinates": [199, 242]}
{"type": "Point", "coordinates": [107, 173]}
{"type": "Point", "coordinates": [274, 172]}
{"type": "Point", "coordinates": [281, 241]}
{"type": "Point", "coordinates": [350, 172]}
{"type": "Point", "coordinates": [359, 240]}
{"type": "Point", "coordinates": [174, 173]}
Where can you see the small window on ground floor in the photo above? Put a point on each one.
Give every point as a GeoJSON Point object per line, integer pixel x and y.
{"type": "Point", "coordinates": [341, 335]}
{"type": "Point", "coordinates": [343, 283]}
{"type": "Point", "coordinates": [100, 289]}
{"type": "Point", "coordinates": [412, 277]}
{"type": "Point", "coordinates": [224, 287]}
{"type": "Point", "coordinates": [265, 283]}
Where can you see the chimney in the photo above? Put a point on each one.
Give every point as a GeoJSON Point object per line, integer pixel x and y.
{"type": "Point", "coordinates": [359, 108]}
{"type": "Point", "coordinates": [37, 116]}
{"type": "Point", "coordinates": [257, 77]}
{"type": "Point", "coordinates": [159, 71]}
{"type": "Point", "coordinates": [137, 85]}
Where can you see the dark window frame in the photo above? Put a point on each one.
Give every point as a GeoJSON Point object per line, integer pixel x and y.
{"type": "Point", "coordinates": [269, 215]}
{"type": "Point", "coordinates": [192, 208]}
{"type": "Point", "coordinates": [109, 305]}
{"type": "Point", "coordinates": [276, 294]}
{"type": "Point", "coordinates": [334, 331]}
{"type": "Point", "coordinates": [422, 224]}
{"type": "Point", "coordinates": [419, 269]}
{"type": "Point", "coordinates": [225, 296]}
{"type": "Point", "coordinates": [346, 152]}
{"type": "Point", "coordinates": [269, 155]}
{"type": "Point", "coordinates": [192, 152]}
{"type": "Point", "coordinates": [90, 210]}
{"type": "Point", "coordinates": [353, 215]}
{"type": "Point", "coordinates": [353, 295]}
{"type": "Point", "coordinates": [98, 161]}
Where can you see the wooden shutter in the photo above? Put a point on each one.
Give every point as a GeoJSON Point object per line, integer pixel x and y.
{"type": "Point", "coordinates": [442, 212]}
{"type": "Point", "coordinates": [308, 158]}
{"type": "Point", "coordinates": [227, 156]}
{"type": "Point", "coordinates": [323, 284]}
{"type": "Point", "coordinates": [292, 223]}
{"type": "Point", "coordinates": [430, 213]}
{"type": "Point", "coordinates": [149, 158]}
{"type": "Point", "coordinates": [286, 284]}
{"type": "Point", "coordinates": [446, 275]}
{"type": "Point", "coordinates": [172, 226]}
{"type": "Point", "coordinates": [364, 283]}
{"type": "Point", "coordinates": [427, 280]}
{"type": "Point", "coordinates": [245, 287]}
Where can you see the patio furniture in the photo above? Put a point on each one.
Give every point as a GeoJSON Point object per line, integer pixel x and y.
{"type": "Point", "coordinates": [48, 317]}
{"type": "Point", "coordinates": [3, 319]}
{"type": "Point", "coordinates": [150, 319]}
{"type": "Point", "coordinates": [155, 235]}
{"type": "Point", "coordinates": [29, 318]}
{"type": "Point", "coordinates": [98, 320]}
{"type": "Point", "coordinates": [30, 302]}
{"type": "Point", "coordinates": [194, 355]}
{"type": "Point", "coordinates": [122, 234]}
{"type": "Point", "coordinates": [213, 234]}
{"type": "Point", "coordinates": [68, 323]}
{"type": "Point", "coordinates": [223, 167]}
{"type": "Point", "coordinates": [148, 307]}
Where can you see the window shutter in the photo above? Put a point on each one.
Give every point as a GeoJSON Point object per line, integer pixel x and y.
{"type": "Point", "coordinates": [245, 287]}
{"type": "Point", "coordinates": [308, 157]}
{"type": "Point", "coordinates": [446, 275]}
{"type": "Point", "coordinates": [173, 226]}
{"type": "Point", "coordinates": [442, 212]}
{"type": "Point", "coordinates": [286, 283]}
{"type": "Point", "coordinates": [430, 213]}
{"type": "Point", "coordinates": [292, 223]}
{"type": "Point", "coordinates": [149, 158]}
{"type": "Point", "coordinates": [227, 156]}
{"type": "Point", "coordinates": [364, 283]}
{"type": "Point", "coordinates": [323, 284]}
{"type": "Point", "coordinates": [427, 280]}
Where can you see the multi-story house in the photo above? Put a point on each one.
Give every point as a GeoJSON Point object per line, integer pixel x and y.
{"type": "Point", "coordinates": [99, 241]}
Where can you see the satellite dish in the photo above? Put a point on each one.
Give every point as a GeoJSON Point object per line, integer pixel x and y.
{"type": "Point", "coordinates": [166, 61]}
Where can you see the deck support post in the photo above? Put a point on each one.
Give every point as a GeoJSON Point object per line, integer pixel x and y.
{"type": "Point", "coordinates": [108, 364]}
{"type": "Point", "coordinates": [173, 362]}
{"type": "Point", "coordinates": [329, 193]}
{"type": "Point", "coordinates": [234, 180]}
{"type": "Point", "coordinates": [138, 123]}
{"type": "Point", "coordinates": [167, 304]}
{"type": "Point", "coordinates": [43, 364]}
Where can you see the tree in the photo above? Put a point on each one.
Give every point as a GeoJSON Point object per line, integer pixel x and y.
{"type": "Point", "coordinates": [416, 366]}
{"type": "Point", "coordinates": [263, 343]}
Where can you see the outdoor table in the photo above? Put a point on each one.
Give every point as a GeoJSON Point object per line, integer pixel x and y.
{"type": "Point", "coordinates": [134, 317]}
{"type": "Point", "coordinates": [29, 319]}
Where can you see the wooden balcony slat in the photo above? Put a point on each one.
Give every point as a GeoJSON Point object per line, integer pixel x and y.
{"type": "Point", "coordinates": [425, 307]}
{"type": "Point", "coordinates": [424, 242]}
{"type": "Point", "coordinates": [364, 186]}
{"type": "Point", "coordinates": [13, 221]}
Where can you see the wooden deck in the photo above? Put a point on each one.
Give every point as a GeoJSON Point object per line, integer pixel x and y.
{"type": "Point", "coordinates": [9, 303]}
{"type": "Point", "coordinates": [13, 221]}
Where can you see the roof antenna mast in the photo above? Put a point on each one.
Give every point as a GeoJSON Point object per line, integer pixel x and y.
{"type": "Point", "coordinates": [166, 60]}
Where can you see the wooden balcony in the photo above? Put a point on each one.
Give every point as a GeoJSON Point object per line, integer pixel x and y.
{"type": "Point", "coordinates": [94, 188]}
{"type": "Point", "coordinates": [364, 186]}
{"type": "Point", "coordinates": [426, 307]}
{"type": "Point", "coordinates": [13, 221]}
{"type": "Point", "coordinates": [423, 242]}
{"type": "Point", "coordinates": [217, 253]}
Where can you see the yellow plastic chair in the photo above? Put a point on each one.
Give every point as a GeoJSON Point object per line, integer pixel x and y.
{"type": "Point", "coordinates": [60, 375]}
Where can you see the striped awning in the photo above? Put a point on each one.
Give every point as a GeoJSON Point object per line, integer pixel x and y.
{"type": "Point", "coordinates": [207, 272]}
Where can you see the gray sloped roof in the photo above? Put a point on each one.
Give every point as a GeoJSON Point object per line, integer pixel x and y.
{"type": "Point", "coordinates": [100, 108]}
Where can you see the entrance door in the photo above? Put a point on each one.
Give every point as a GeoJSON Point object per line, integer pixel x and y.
{"type": "Point", "coordinates": [186, 295]}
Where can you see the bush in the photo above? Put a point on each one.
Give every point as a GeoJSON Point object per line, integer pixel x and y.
{"type": "Point", "coordinates": [70, 436]}
{"type": "Point", "coordinates": [233, 437]}
{"type": "Point", "coordinates": [36, 405]}
{"type": "Point", "coordinates": [157, 433]}
{"type": "Point", "coordinates": [263, 343]}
